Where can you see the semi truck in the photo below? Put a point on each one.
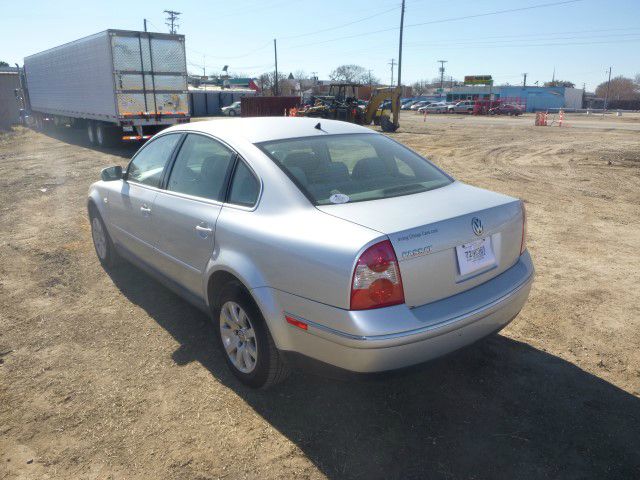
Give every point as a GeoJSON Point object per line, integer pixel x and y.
{"type": "Point", "coordinates": [117, 85]}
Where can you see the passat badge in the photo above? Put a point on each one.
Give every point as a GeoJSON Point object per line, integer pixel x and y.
{"type": "Point", "coordinates": [476, 224]}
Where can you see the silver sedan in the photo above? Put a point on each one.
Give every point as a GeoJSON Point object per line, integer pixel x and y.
{"type": "Point", "coordinates": [315, 242]}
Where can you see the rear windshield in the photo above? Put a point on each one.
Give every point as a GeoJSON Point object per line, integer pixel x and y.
{"type": "Point", "coordinates": [353, 168]}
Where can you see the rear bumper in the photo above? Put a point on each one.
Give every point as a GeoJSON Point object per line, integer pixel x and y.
{"type": "Point", "coordinates": [358, 342]}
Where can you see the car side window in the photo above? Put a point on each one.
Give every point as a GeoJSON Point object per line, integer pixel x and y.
{"type": "Point", "coordinates": [201, 168]}
{"type": "Point", "coordinates": [147, 166]}
{"type": "Point", "coordinates": [244, 186]}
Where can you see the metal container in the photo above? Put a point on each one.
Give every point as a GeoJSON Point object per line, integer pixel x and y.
{"type": "Point", "coordinates": [114, 76]}
{"type": "Point", "coordinates": [268, 106]}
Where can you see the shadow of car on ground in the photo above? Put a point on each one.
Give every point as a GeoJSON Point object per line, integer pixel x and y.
{"type": "Point", "coordinates": [498, 409]}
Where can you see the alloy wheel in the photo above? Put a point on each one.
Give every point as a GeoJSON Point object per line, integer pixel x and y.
{"type": "Point", "coordinates": [99, 238]}
{"type": "Point", "coordinates": [238, 337]}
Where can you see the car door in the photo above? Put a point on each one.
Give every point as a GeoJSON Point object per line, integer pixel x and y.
{"type": "Point", "coordinates": [187, 209]}
{"type": "Point", "coordinates": [131, 204]}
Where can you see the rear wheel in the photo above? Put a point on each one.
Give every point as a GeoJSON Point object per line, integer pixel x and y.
{"type": "Point", "coordinates": [245, 340]}
{"type": "Point", "coordinates": [91, 133]}
{"type": "Point", "coordinates": [105, 135]}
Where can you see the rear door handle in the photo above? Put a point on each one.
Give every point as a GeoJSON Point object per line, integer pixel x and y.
{"type": "Point", "coordinates": [145, 209]}
{"type": "Point", "coordinates": [204, 232]}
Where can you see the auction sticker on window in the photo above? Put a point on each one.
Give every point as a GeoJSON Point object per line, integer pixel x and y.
{"type": "Point", "coordinates": [339, 198]}
{"type": "Point", "coordinates": [475, 256]}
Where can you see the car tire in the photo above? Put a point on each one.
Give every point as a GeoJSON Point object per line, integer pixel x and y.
{"type": "Point", "coordinates": [245, 340]}
{"type": "Point", "coordinates": [102, 243]}
{"type": "Point", "coordinates": [232, 113]}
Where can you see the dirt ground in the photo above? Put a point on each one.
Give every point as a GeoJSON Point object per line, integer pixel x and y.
{"type": "Point", "coordinates": [114, 377]}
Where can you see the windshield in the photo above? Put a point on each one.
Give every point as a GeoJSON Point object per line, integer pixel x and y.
{"type": "Point", "coordinates": [353, 168]}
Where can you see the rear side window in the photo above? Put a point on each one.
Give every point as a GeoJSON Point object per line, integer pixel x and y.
{"type": "Point", "coordinates": [244, 186]}
{"type": "Point", "coordinates": [148, 164]}
{"type": "Point", "coordinates": [201, 168]}
{"type": "Point", "coordinates": [351, 168]}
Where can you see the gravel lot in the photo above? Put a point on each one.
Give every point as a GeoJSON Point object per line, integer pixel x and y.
{"type": "Point", "coordinates": [114, 377]}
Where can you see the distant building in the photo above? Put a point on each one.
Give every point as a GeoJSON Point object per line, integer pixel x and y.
{"type": "Point", "coordinates": [535, 98]}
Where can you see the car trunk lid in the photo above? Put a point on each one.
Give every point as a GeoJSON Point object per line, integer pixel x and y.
{"type": "Point", "coordinates": [438, 237]}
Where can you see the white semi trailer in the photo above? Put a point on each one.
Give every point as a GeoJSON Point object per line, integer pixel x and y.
{"type": "Point", "coordinates": [117, 85]}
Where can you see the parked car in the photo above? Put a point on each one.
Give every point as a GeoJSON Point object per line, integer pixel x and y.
{"type": "Point", "coordinates": [407, 105]}
{"type": "Point", "coordinates": [315, 241]}
{"type": "Point", "coordinates": [232, 110]}
{"type": "Point", "coordinates": [506, 109]}
{"type": "Point", "coordinates": [417, 105]}
{"type": "Point", "coordinates": [466, 106]}
{"type": "Point", "coordinates": [437, 107]}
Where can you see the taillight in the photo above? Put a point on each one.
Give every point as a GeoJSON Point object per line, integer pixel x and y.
{"type": "Point", "coordinates": [523, 242]}
{"type": "Point", "coordinates": [376, 279]}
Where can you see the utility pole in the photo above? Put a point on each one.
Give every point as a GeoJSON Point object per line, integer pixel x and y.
{"type": "Point", "coordinates": [392, 63]}
{"type": "Point", "coordinates": [400, 46]}
{"type": "Point", "coordinates": [275, 80]}
{"type": "Point", "coordinates": [442, 62]}
{"type": "Point", "coordinates": [145, 24]}
{"type": "Point", "coordinates": [606, 97]}
{"type": "Point", "coordinates": [553, 77]}
{"type": "Point", "coordinates": [172, 20]}
{"type": "Point", "coordinates": [524, 82]}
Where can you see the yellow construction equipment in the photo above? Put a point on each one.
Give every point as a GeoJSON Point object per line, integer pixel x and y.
{"type": "Point", "coordinates": [342, 104]}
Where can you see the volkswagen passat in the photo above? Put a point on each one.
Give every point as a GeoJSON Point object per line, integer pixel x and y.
{"type": "Point", "coordinates": [315, 241]}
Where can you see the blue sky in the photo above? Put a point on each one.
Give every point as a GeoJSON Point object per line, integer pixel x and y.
{"type": "Point", "coordinates": [580, 38]}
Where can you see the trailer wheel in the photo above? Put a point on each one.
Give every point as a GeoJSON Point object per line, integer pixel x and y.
{"type": "Point", "coordinates": [105, 135]}
{"type": "Point", "coordinates": [91, 133]}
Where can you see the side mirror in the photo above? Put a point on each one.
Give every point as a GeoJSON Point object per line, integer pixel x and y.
{"type": "Point", "coordinates": [110, 174]}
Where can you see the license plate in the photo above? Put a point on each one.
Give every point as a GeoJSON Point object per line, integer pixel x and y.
{"type": "Point", "coordinates": [475, 256]}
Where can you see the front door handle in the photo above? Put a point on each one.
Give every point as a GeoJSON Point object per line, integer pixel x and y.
{"type": "Point", "coordinates": [204, 232]}
{"type": "Point", "coordinates": [145, 209]}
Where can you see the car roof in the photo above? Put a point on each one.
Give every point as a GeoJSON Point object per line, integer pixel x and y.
{"type": "Point", "coordinates": [262, 129]}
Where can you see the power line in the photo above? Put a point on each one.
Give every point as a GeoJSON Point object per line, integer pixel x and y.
{"type": "Point", "coordinates": [172, 20]}
{"type": "Point", "coordinates": [231, 57]}
{"type": "Point", "coordinates": [443, 20]}
{"type": "Point", "coordinates": [474, 41]}
{"type": "Point", "coordinates": [315, 32]}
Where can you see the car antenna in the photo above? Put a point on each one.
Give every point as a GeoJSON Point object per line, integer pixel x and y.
{"type": "Point", "coordinates": [318, 126]}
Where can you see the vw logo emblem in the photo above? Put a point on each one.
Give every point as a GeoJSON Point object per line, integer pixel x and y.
{"type": "Point", "coordinates": [476, 224]}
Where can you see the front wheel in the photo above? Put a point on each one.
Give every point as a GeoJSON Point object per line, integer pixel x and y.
{"type": "Point", "coordinates": [232, 113]}
{"type": "Point", "coordinates": [244, 337]}
{"type": "Point", "coordinates": [101, 241]}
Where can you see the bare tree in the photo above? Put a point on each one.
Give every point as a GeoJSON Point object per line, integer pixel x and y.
{"type": "Point", "coordinates": [420, 87]}
{"type": "Point", "coordinates": [300, 75]}
{"type": "Point", "coordinates": [266, 82]}
{"type": "Point", "coordinates": [559, 83]}
{"type": "Point", "coordinates": [349, 74]}
{"type": "Point", "coordinates": [622, 88]}
{"type": "Point", "coordinates": [370, 79]}
{"type": "Point", "coordinates": [3, 64]}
